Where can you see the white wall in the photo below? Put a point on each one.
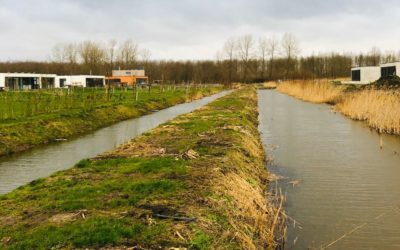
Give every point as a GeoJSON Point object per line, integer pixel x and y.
{"type": "Point", "coordinates": [29, 75]}
{"type": "Point", "coordinates": [132, 72]}
{"type": "Point", "coordinates": [77, 80]}
{"type": "Point", "coordinates": [368, 74]}
{"type": "Point", "coordinates": [2, 81]}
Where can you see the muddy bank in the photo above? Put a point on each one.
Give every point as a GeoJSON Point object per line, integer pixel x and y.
{"type": "Point", "coordinates": [22, 135]}
{"type": "Point", "coordinates": [198, 181]}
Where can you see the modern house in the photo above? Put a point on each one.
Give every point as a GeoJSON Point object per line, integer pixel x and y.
{"type": "Point", "coordinates": [370, 74]}
{"type": "Point", "coordinates": [80, 81]}
{"type": "Point", "coordinates": [127, 77]}
{"type": "Point", "coordinates": [390, 69]}
{"type": "Point", "coordinates": [365, 75]}
{"type": "Point", "coordinates": [24, 81]}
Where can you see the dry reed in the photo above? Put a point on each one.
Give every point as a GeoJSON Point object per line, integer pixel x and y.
{"type": "Point", "coordinates": [379, 108]}
{"type": "Point", "coordinates": [319, 91]}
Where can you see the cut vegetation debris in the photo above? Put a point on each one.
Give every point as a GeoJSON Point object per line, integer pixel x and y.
{"type": "Point", "coordinates": [196, 182]}
{"type": "Point", "coordinates": [378, 105]}
{"type": "Point", "coordinates": [46, 116]}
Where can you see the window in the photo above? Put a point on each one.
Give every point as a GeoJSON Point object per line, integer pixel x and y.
{"type": "Point", "coordinates": [94, 82]}
{"type": "Point", "coordinates": [356, 75]}
{"type": "Point", "coordinates": [388, 71]}
{"type": "Point", "coordinates": [62, 82]}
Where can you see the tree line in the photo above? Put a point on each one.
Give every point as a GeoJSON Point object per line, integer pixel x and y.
{"type": "Point", "coordinates": [241, 59]}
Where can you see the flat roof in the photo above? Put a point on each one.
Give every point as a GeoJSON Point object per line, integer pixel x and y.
{"type": "Point", "coordinates": [27, 75]}
{"type": "Point", "coordinates": [365, 67]}
{"type": "Point", "coordinates": [391, 63]}
{"type": "Point", "coordinates": [92, 76]}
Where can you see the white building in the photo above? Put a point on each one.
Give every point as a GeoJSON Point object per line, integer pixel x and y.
{"type": "Point", "coordinates": [130, 72]}
{"type": "Point", "coordinates": [388, 69]}
{"type": "Point", "coordinates": [80, 81]}
{"type": "Point", "coordinates": [20, 81]}
{"type": "Point", "coordinates": [365, 75]}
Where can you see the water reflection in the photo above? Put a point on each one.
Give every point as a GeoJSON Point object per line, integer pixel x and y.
{"type": "Point", "coordinates": [345, 181]}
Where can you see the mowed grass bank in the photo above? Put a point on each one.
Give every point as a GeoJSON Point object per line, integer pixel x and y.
{"type": "Point", "coordinates": [35, 118]}
{"type": "Point", "coordinates": [378, 107]}
{"type": "Point", "coordinates": [196, 182]}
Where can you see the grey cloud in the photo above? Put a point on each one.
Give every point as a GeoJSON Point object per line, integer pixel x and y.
{"type": "Point", "coordinates": [194, 28]}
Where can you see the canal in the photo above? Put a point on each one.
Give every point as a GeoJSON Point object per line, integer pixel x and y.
{"type": "Point", "coordinates": [20, 169]}
{"type": "Point", "coordinates": [341, 179]}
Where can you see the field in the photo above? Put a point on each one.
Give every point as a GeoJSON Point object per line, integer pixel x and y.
{"type": "Point", "coordinates": [16, 105]}
{"type": "Point", "coordinates": [378, 107]}
{"type": "Point", "coordinates": [38, 117]}
{"type": "Point", "coordinates": [198, 182]}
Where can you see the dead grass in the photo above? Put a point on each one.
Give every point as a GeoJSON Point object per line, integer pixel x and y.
{"type": "Point", "coordinates": [380, 109]}
{"type": "Point", "coordinates": [268, 85]}
{"type": "Point", "coordinates": [318, 91]}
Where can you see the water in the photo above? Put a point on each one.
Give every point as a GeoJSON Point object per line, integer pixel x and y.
{"type": "Point", "coordinates": [40, 162]}
{"type": "Point", "coordinates": [346, 182]}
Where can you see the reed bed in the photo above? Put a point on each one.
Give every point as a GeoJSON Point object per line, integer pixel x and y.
{"type": "Point", "coordinates": [268, 85]}
{"type": "Point", "coordinates": [319, 91]}
{"type": "Point", "coordinates": [379, 108]}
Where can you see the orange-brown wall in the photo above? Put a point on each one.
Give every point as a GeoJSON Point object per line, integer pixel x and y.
{"type": "Point", "coordinates": [129, 80]}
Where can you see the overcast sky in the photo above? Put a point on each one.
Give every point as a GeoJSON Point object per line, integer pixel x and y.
{"type": "Point", "coordinates": [196, 29]}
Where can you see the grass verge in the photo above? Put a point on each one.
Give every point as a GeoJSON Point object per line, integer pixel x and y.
{"type": "Point", "coordinates": [24, 133]}
{"type": "Point", "coordinates": [196, 182]}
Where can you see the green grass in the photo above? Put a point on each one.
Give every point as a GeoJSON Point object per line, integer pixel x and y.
{"type": "Point", "coordinates": [93, 232]}
{"type": "Point", "coordinates": [201, 241]}
{"type": "Point", "coordinates": [33, 118]}
{"type": "Point", "coordinates": [158, 200]}
{"type": "Point", "coordinates": [17, 105]}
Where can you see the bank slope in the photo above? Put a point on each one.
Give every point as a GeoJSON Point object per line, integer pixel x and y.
{"type": "Point", "coordinates": [24, 134]}
{"type": "Point", "coordinates": [198, 182]}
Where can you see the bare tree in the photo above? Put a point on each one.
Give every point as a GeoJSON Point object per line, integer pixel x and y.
{"type": "Point", "coordinates": [58, 53]}
{"type": "Point", "coordinates": [71, 53]}
{"type": "Point", "coordinates": [92, 54]}
{"type": "Point", "coordinates": [145, 57]}
{"type": "Point", "coordinates": [229, 54]}
{"type": "Point", "coordinates": [111, 53]}
{"type": "Point", "coordinates": [245, 47]}
{"type": "Point", "coordinates": [374, 56]}
{"type": "Point", "coordinates": [272, 50]}
{"type": "Point", "coordinates": [128, 53]}
{"type": "Point", "coordinates": [66, 53]}
{"type": "Point", "coordinates": [263, 50]}
{"type": "Point", "coordinates": [290, 48]}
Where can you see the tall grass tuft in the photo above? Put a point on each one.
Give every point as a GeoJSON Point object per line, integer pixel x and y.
{"type": "Point", "coordinates": [319, 91]}
{"type": "Point", "coordinates": [379, 108]}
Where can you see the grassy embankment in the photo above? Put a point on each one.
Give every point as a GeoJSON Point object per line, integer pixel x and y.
{"type": "Point", "coordinates": [198, 182]}
{"type": "Point", "coordinates": [33, 118]}
{"type": "Point", "coordinates": [378, 107]}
